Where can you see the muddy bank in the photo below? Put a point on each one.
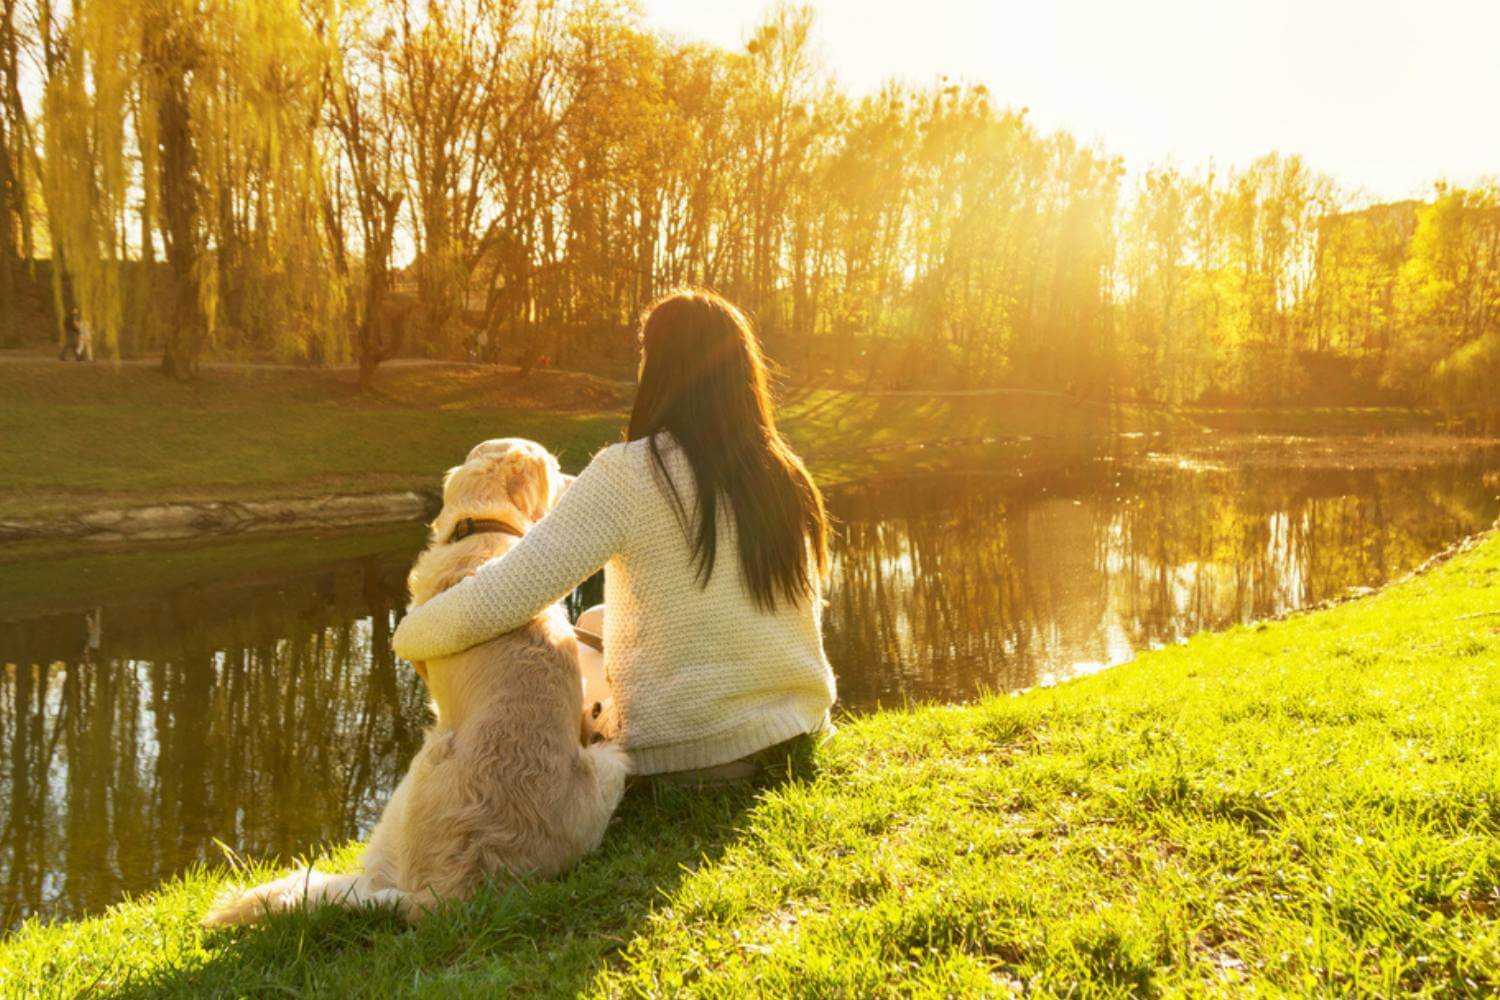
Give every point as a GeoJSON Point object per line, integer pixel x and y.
{"type": "Point", "coordinates": [184, 520]}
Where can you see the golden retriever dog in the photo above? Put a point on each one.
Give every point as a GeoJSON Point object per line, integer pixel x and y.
{"type": "Point", "coordinates": [503, 783]}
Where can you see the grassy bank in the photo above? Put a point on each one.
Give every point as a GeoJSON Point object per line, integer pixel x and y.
{"type": "Point", "coordinates": [85, 437]}
{"type": "Point", "coordinates": [1309, 806]}
{"type": "Point", "coordinates": [95, 436]}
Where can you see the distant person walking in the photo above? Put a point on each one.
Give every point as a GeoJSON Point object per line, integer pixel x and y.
{"type": "Point", "coordinates": [85, 341]}
{"type": "Point", "coordinates": [70, 337]}
{"type": "Point", "coordinates": [78, 339]}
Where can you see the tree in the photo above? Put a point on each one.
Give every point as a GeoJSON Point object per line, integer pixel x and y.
{"type": "Point", "coordinates": [543, 169]}
{"type": "Point", "coordinates": [209, 112]}
{"type": "Point", "coordinates": [362, 115]}
{"type": "Point", "coordinates": [1450, 293]}
{"type": "Point", "coordinates": [15, 145]}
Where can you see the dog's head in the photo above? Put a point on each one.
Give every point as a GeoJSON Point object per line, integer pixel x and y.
{"type": "Point", "coordinates": [507, 479]}
{"type": "Point", "coordinates": [510, 480]}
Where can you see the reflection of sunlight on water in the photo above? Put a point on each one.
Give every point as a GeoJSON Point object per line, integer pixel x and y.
{"type": "Point", "coordinates": [139, 676]}
{"type": "Point", "coordinates": [57, 774]}
{"type": "Point", "coordinates": [1184, 463]}
{"type": "Point", "coordinates": [1282, 556]}
{"type": "Point", "coordinates": [1118, 649]}
{"type": "Point", "coordinates": [1191, 590]}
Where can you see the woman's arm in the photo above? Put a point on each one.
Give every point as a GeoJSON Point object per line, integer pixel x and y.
{"type": "Point", "coordinates": [580, 534]}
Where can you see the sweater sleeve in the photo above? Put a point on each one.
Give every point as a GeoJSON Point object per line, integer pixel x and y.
{"type": "Point", "coordinates": [581, 533]}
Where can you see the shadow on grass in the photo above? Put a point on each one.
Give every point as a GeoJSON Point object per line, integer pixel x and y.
{"type": "Point", "coordinates": [547, 938]}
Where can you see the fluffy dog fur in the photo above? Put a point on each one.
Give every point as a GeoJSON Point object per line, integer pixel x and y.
{"type": "Point", "coordinates": [501, 784]}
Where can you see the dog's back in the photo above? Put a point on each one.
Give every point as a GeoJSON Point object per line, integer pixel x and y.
{"type": "Point", "coordinates": [505, 784]}
{"type": "Point", "coordinates": [502, 783]}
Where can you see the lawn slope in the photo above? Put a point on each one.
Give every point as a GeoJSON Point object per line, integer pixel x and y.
{"type": "Point", "coordinates": [1308, 806]}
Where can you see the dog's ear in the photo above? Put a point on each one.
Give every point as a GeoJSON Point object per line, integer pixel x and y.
{"type": "Point", "coordinates": [448, 477]}
{"type": "Point", "coordinates": [530, 475]}
{"type": "Point", "coordinates": [450, 487]}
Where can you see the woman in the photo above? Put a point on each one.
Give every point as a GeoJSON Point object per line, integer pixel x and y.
{"type": "Point", "coordinates": [713, 541]}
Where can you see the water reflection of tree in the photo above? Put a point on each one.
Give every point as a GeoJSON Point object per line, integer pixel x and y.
{"type": "Point", "coordinates": [919, 602]}
{"type": "Point", "coordinates": [1193, 554]}
{"type": "Point", "coordinates": [942, 591]}
{"type": "Point", "coordinates": [272, 724]}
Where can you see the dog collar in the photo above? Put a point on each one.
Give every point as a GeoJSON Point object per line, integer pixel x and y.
{"type": "Point", "coordinates": [482, 525]}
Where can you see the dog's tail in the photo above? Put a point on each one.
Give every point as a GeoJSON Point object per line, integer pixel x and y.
{"type": "Point", "coordinates": [306, 889]}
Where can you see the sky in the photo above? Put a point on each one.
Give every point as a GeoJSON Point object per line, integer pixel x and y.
{"type": "Point", "coordinates": [1385, 95]}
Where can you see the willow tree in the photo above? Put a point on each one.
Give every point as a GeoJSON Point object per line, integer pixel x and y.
{"type": "Point", "coordinates": [266, 177]}
{"type": "Point", "coordinates": [198, 118]}
{"type": "Point", "coordinates": [87, 176]}
{"type": "Point", "coordinates": [28, 35]}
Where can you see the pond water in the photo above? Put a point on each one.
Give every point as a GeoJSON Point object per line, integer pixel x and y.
{"type": "Point", "coordinates": [153, 702]}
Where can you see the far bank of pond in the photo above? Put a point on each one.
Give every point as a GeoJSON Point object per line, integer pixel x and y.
{"type": "Point", "coordinates": [157, 699]}
{"type": "Point", "coordinates": [112, 453]}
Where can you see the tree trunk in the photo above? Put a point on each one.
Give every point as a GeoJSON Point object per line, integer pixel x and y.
{"type": "Point", "coordinates": [368, 362]}
{"type": "Point", "coordinates": [10, 292]}
{"type": "Point", "coordinates": [179, 195]}
{"type": "Point", "coordinates": [381, 330]}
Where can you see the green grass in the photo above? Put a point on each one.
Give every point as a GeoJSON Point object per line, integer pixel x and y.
{"type": "Point", "coordinates": [97, 437]}
{"type": "Point", "coordinates": [1305, 807]}
{"type": "Point", "coordinates": [83, 437]}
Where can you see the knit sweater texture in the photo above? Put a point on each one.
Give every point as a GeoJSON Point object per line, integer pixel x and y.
{"type": "Point", "coordinates": [700, 674]}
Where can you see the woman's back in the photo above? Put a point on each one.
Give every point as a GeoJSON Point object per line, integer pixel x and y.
{"type": "Point", "coordinates": [701, 675]}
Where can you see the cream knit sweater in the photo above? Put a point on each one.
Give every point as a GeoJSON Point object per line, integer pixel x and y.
{"type": "Point", "coordinates": [700, 675]}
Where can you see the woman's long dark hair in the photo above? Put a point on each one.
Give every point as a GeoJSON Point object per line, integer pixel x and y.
{"type": "Point", "coordinates": [703, 379]}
